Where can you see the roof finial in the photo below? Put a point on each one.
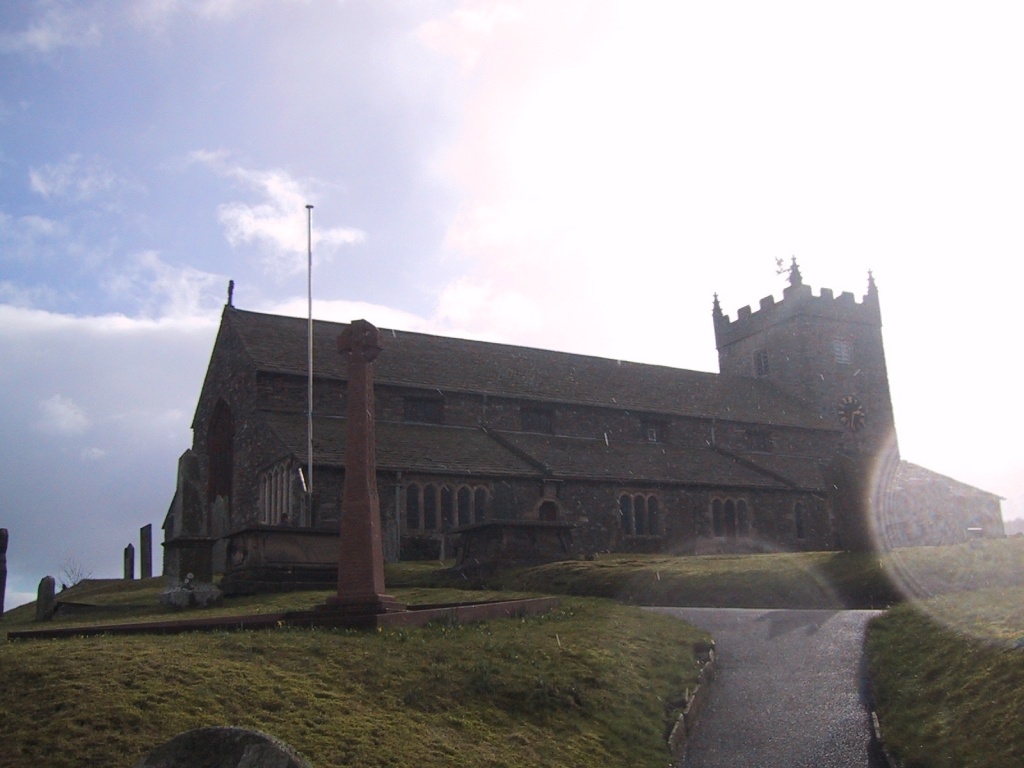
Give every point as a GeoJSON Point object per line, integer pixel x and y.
{"type": "Point", "coordinates": [794, 274]}
{"type": "Point", "coordinates": [872, 289]}
{"type": "Point", "coordinates": [231, 293]}
{"type": "Point", "coordinates": [716, 310]}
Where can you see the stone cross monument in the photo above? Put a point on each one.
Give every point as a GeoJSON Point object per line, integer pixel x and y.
{"type": "Point", "coordinates": [360, 556]}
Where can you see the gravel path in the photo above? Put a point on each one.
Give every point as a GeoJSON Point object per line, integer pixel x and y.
{"type": "Point", "coordinates": [789, 693]}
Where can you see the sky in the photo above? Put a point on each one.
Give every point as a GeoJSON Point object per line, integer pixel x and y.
{"type": "Point", "coordinates": [579, 176]}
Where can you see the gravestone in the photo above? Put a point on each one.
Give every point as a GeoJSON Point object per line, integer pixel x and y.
{"type": "Point", "coordinates": [3, 568]}
{"type": "Point", "coordinates": [360, 553]}
{"type": "Point", "coordinates": [223, 747]}
{"type": "Point", "coordinates": [129, 562]}
{"type": "Point", "coordinates": [146, 551]}
{"type": "Point", "coordinates": [44, 599]}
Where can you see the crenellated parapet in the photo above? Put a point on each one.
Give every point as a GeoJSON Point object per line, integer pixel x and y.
{"type": "Point", "coordinates": [797, 300]}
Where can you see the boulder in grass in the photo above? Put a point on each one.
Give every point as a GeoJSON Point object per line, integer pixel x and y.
{"type": "Point", "coordinates": [223, 747]}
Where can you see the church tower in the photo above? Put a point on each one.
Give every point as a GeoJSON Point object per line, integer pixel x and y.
{"type": "Point", "coordinates": [824, 350]}
{"type": "Point", "coordinates": [827, 352]}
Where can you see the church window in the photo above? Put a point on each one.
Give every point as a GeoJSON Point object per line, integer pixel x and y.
{"type": "Point", "coordinates": [730, 518]}
{"type": "Point", "coordinates": [640, 515]}
{"type": "Point", "coordinates": [626, 511]}
{"type": "Point", "coordinates": [761, 367]}
{"type": "Point", "coordinates": [717, 525]}
{"type": "Point", "coordinates": [412, 507]}
{"type": "Point", "coordinates": [843, 353]}
{"type": "Point", "coordinates": [447, 506]}
{"type": "Point", "coordinates": [533, 419]}
{"type": "Point", "coordinates": [652, 516]}
{"type": "Point", "coordinates": [652, 431]}
{"type": "Point", "coordinates": [464, 500]}
{"type": "Point", "coordinates": [479, 505]}
{"type": "Point", "coordinates": [430, 508]}
{"type": "Point", "coordinates": [280, 501]}
{"type": "Point", "coordinates": [798, 520]}
{"type": "Point", "coordinates": [424, 410]}
{"type": "Point", "coordinates": [729, 514]}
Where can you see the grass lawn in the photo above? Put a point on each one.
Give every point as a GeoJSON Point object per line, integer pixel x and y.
{"type": "Point", "coordinates": [781, 580]}
{"type": "Point", "coordinates": [591, 684]}
{"type": "Point", "coordinates": [949, 679]}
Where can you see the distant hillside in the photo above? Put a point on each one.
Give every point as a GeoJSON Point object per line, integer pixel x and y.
{"type": "Point", "coordinates": [1014, 526]}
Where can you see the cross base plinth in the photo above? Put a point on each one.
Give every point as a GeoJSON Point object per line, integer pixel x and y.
{"type": "Point", "coordinates": [371, 605]}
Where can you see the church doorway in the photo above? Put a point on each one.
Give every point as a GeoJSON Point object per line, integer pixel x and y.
{"type": "Point", "coordinates": [548, 511]}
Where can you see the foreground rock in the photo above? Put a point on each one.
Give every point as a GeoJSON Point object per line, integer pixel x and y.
{"type": "Point", "coordinates": [223, 748]}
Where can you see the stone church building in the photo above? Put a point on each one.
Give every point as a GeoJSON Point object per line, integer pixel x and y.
{"type": "Point", "coordinates": [791, 447]}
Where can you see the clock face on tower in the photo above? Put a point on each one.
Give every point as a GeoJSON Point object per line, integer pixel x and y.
{"type": "Point", "coordinates": [851, 413]}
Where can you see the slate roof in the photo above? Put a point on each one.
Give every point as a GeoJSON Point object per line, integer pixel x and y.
{"type": "Point", "coordinates": [460, 450]}
{"type": "Point", "coordinates": [276, 343]}
{"type": "Point", "coordinates": [913, 479]}
{"type": "Point", "coordinates": [804, 472]}
{"type": "Point", "coordinates": [584, 458]}
{"type": "Point", "coordinates": [406, 447]}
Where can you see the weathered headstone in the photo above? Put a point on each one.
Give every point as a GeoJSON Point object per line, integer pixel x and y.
{"type": "Point", "coordinates": [146, 551]}
{"type": "Point", "coordinates": [3, 568]}
{"type": "Point", "coordinates": [44, 599]}
{"type": "Point", "coordinates": [223, 748]}
{"type": "Point", "coordinates": [129, 562]}
{"type": "Point", "coordinates": [360, 554]}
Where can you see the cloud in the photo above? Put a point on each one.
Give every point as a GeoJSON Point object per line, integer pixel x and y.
{"type": "Point", "coordinates": [25, 238]}
{"type": "Point", "coordinates": [75, 178]}
{"type": "Point", "coordinates": [162, 290]}
{"type": "Point", "coordinates": [59, 26]}
{"type": "Point", "coordinates": [96, 412]}
{"type": "Point", "coordinates": [61, 415]}
{"type": "Point", "coordinates": [277, 224]}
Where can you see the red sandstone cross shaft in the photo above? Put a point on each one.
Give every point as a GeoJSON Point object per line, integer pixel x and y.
{"type": "Point", "coordinates": [360, 556]}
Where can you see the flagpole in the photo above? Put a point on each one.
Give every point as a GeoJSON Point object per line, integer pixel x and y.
{"type": "Point", "coordinates": [309, 358]}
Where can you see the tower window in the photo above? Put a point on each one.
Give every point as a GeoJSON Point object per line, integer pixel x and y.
{"type": "Point", "coordinates": [537, 420]}
{"type": "Point", "coordinates": [761, 367]}
{"type": "Point", "coordinates": [424, 410]}
{"type": "Point", "coordinates": [841, 348]}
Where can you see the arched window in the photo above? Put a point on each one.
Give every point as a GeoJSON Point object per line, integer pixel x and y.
{"type": "Point", "coordinates": [430, 508]}
{"type": "Point", "coordinates": [640, 515]}
{"type": "Point", "coordinates": [742, 518]}
{"type": "Point", "coordinates": [716, 518]}
{"type": "Point", "coordinates": [626, 510]}
{"type": "Point", "coordinates": [479, 505]}
{"type": "Point", "coordinates": [412, 507]}
{"type": "Point", "coordinates": [464, 501]}
{"type": "Point", "coordinates": [798, 519]}
{"type": "Point", "coordinates": [548, 511]}
{"type": "Point", "coordinates": [447, 506]}
{"type": "Point", "coordinates": [220, 453]}
{"type": "Point", "coordinates": [729, 515]}
{"type": "Point", "coordinates": [652, 516]}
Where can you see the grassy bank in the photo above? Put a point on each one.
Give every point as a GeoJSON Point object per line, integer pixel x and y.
{"type": "Point", "coordinates": [945, 696]}
{"type": "Point", "coordinates": [780, 580]}
{"type": "Point", "coordinates": [797, 580]}
{"type": "Point", "coordinates": [593, 683]}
